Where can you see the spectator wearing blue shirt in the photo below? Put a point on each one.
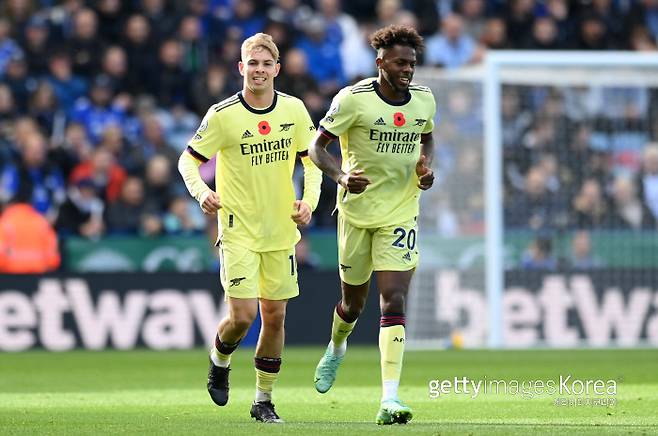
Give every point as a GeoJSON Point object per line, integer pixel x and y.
{"type": "Point", "coordinates": [36, 175]}
{"type": "Point", "coordinates": [9, 49]}
{"type": "Point", "coordinates": [98, 112]}
{"type": "Point", "coordinates": [323, 56]}
{"type": "Point", "coordinates": [67, 86]}
{"type": "Point", "coordinates": [452, 48]}
{"type": "Point", "coordinates": [245, 20]}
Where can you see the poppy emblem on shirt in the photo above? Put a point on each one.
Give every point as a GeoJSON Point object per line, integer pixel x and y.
{"type": "Point", "coordinates": [398, 119]}
{"type": "Point", "coordinates": [264, 128]}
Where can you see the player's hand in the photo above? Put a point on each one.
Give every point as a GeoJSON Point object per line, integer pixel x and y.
{"type": "Point", "coordinates": [354, 182]}
{"type": "Point", "coordinates": [209, 202]}
{"type": "Point", "coordinates": [424, 173]}
{"type": "Point", "coordinates": [301, 213]}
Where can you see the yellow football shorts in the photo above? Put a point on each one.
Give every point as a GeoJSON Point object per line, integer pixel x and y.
{"type": "Point", "coordinates": [362, 251]}
{"type": "Point", "coordinates": [271, 275]}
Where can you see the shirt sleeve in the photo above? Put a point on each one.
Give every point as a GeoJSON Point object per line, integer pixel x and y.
{"type": "Point", "coordinates": [341, 114]}
{"type": "Point", "coordinates": [306, 131]}
{"type": "Point", "coordinates": [206, 140]}
{"type": "Point", "coordinates": [429, 125]}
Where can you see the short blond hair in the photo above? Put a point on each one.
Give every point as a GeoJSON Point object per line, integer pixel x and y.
{"type": "Point", "coordinates": [259, 40]}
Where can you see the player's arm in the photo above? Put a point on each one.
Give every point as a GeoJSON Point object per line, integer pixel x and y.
{"type": "Point", "coordinates": [188, 167]}
{"type": "Point", "coordinates": [205, 142]}
{"type": "Point", "coordinates": [423, 166]}
{"type": "Point", "coordinates": [304, 208]}
{"type": "Point", "coordinates": [353, 182]}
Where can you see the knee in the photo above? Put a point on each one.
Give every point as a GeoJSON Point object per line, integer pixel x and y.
{"type": "Point", "coordinates": [243, 320]}
{"type": "Point", "coordinates": [273, 320]}
{"type": "Point", "coordinates": [353, 308]}
{"type": "Point", "coordinates": [393, 301]}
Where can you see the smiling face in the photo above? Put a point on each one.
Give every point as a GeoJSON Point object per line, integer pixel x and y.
{"type": "Point", "coordinates": [396, 66]}
{"type": "Point", "coordinates": [259, 68]}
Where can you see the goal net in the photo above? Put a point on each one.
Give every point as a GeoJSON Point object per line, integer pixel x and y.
{"type": "Point", "coordinates": [541, 229]}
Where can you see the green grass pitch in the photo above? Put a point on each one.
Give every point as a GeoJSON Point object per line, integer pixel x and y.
{"type": "Point", "coordinates": [149, 392]}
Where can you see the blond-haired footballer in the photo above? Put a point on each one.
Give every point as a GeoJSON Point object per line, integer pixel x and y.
{"type": "Point", "coordinates": [257, 134]}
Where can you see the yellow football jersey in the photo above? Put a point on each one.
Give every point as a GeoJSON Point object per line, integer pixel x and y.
{"type": "Point", "coordinates": [256, 151]}
{"type": "Point", "coordinates": [382, 138]}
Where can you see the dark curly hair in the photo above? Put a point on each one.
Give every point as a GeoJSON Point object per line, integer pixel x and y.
{"type": "Point", "coordinates": [389, 36]}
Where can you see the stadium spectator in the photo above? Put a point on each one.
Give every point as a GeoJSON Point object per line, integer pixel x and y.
{"type": "Point", "coordinates": [162, 20]}
{"type": "Point", "coordinates": [589, 206]}
{"type": "Point", "coordinates": [141, 53]}
{"type": "Point", "coordinates": [171, 85]}
{"type": "Point", "coordinates": [592, 34]}
{"type": "Point", "coordinates": [474, 14]}
{"type": "Point", "coordinates": [35, 175]}
{"type": "Point", "coordinates": [349, 37]}
{"type": "Point", "coordinates": [85, 44]}
{"type": "Point", "coordinates": [387, 12]}
{"type": "Point", "coordinates": [641, 40]}
{"type": "Point", "coordinates": [519, 16]}
{"type": "Point", "coordinates": [152, 143]}
{"type": "Point", "coordinates": [581, 256]}
{"type": "Point", "coordinates": [111, 16]}
{"type": "Point", "coordinates": [98, 111]}
{"type": "Point", "coordinates": [17, 77]}
{"type": "Point", "coordinates": [159, 187]}
{"type": "Point", "coordinates": [37, 45]}
{"type": "Point", "coordinates": [648, 178]}
{"type": "Point", "coordinates": [9, 48]}
{"type": "Point", "coordinates": [194, 45]}
{"type": "Point", "coordinates": [628, 212]}
{"type": "Point", "coordinates": [645, 13]}
{"type": "Point", "coordinates": [323, 56]}
{"type": "Point", "coordinates": [494, 34]}
{"type": "Point", "coordinates": [82, 212]}
{"type": "Point", "coordinates": [183, 217]}
{"type": "Point", "coordinates": [114, 65]}
{"type": "Point", "coordinates": [539, 255]}
{"type": "Point", "coordinates": [28, 243]}
{"type": "Point", "coordinates": [294, 78]}
{"type": "Point", "coordinates": [452, 47]}
{"type": "Point", "coordinates": [177, 124]}
{"type": "Point", "coordinates": [72, 149]}
{"type": "Point", "coordinates": [535, 207]}
{"type": "Point", "coordinates": [246, 19]}
{"type": "Point", "coordinates": [292, 13]}
{"type": "Point", "coordinates": [129, 215]}
{"type": "Point", "coordinates": [211, 86]}
{"type": "Point", "coordinates": [8, 112]}
{"type": "Point", "coordinates": [68, 87]}
{"type": "Point", "coordinates": [107, 175]}
{"type": "Point", "coordinates": [544, 35]}
{"type": "Point", "coordinates": [45, 110]}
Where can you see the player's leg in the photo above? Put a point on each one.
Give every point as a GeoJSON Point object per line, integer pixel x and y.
{"type": "Point", "coordinates": [394, 286]}
{"type": "Point", "coordinates": [231, 330]}
{"type": "Point", "coordinates": [268, 358]}
{"type": "Point", "coordinates": [240, 285]}
{"type": "Point", "coordinates": [278, 283]}
{"type": "Point", "coordinates": [355, 270]}
{"type": "Point", "coordinates": [395, 260]}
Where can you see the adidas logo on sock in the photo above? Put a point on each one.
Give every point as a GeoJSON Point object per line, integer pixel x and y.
{"type": "Point", "coordinates": [380, 122]}
{"type": "Point", "coordinates": [247, 134]}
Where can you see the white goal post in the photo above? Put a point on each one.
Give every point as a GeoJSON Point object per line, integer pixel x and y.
{"type": "Point", "coordinates": [484, 85]}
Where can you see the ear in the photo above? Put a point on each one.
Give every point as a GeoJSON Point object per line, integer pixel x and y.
{"type": "Point", "coordinates": [277, 68]}
{"type": "Point", "coordinates": [241, 68]}
{"type": "Point", "coordinates": [379, 61]}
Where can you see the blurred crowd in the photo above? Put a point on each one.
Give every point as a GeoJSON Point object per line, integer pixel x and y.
{"type": "Point", "coordinates": [98, 98]}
